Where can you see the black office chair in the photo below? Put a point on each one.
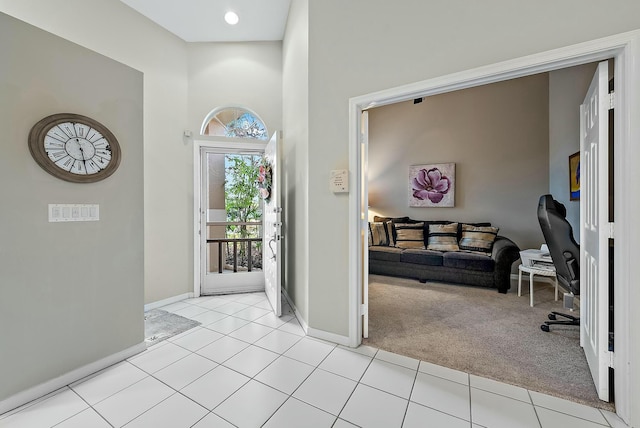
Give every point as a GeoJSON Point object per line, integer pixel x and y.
{"type": "Point", "coordinates": [564, 250]}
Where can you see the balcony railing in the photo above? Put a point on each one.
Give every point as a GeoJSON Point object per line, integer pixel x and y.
{"type": "Point", "coordinates": [230, 250]}
{"type": "Point", "coordinates": [234, 252]}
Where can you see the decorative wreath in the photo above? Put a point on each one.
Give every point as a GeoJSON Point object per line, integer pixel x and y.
{"type": "Point", "coordinates": [265, 179]}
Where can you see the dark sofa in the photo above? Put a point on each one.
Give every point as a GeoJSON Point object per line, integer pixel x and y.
{"type": "Point", "coordinates": [453, 266]}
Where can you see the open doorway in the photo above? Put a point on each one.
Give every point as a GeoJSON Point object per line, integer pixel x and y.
{"type": "Point", "coordinates": [229, 207]}
{"type": "Point", "coordinates": [231, 240]}
{"type": "Point", "coordinates": [617, 47]}
{"type": "Point", "coordinates": [238, 217]}
{"type": "Point", "coordinates": [510, 142]}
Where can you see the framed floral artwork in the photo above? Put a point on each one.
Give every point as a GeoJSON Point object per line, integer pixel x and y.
{"type": "Point", "coordinates": [432, 185]}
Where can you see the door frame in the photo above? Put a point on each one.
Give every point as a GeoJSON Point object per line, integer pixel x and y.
{"type": "Point", "coordinates": [200, 142]}
{"type": "Point", "coordinates": [625, 49]}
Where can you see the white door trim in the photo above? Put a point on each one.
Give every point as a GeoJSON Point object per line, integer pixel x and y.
{"type": "Point", "coordinates": [625, 48]}
{"type": "Point", "coordinates": [226, 145]}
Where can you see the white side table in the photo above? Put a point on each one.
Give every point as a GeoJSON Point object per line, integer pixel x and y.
{"type": "Point", "coordinates": [532, 271]}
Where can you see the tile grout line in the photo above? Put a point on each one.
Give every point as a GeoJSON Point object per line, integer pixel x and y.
{"type": "Point", "coordinates": [535, 410]}
{"type": "Point", "coordinates": [415, 378]}
{"type": "Point", "coordinates": [90, 407]}
{"type": "Point", "coordinates": [33, 402]}
{"type": "Point", "coordinates": [152, 407]}
{"type": "Point", "coordinates": [605, 418]}
{"type": "Point", "coordinates": [354, 389]}
{"type": "Point", "coordinates": [569, 414]}
{"type": "Point", "coordinates": [118, 391]}
{"type": "Point", "coordinates": [198, 421]}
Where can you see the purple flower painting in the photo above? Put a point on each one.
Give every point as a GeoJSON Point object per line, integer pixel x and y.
{"type": "Point", "coordinates": [432, 185]}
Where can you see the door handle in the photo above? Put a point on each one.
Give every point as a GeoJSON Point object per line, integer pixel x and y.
{"type": "Point", "coordinates": [272, 240]}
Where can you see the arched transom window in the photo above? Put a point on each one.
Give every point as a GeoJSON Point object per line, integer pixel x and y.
{"type": "Point", "coordinates": [235, 122]}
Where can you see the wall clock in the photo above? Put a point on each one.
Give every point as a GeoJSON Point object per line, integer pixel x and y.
{"type": "Point", "coordinates": [74, 148]}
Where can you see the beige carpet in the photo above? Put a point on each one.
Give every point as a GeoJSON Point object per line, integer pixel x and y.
{"type": "Point", "coordinates": [480, 331]}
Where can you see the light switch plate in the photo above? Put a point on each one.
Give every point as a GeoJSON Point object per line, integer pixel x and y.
{"type": "Point", "coordinates": [73, 212]}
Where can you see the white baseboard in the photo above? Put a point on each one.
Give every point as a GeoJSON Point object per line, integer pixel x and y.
{"type": "Point", "coordinates": [296, 313]}
{"type": "Point", "coordinates": [329, 337]}
{"type": "Point", "coordinates": [168, 301]}
{"type": "Point", "coordinates": [313, 332]}
{"type": "Point", "coordinates": [52, 385]}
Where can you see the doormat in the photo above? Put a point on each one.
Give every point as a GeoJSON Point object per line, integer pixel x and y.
{"type": "Point", "coordinates": [160, 325]}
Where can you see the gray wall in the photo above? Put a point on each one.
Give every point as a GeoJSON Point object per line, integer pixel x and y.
{"type": "Point", "coordinates": [70, 293]}
{"type": "Point", "coordinates": [567, 89]}
{"type": "Point", "coordinates": [498, 137]}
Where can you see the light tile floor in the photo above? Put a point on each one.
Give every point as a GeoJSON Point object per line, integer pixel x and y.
{"type": "Point", "coordinates": [244, 367]}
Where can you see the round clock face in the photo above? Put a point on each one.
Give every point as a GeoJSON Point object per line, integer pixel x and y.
{"type": "Point", "coordinates": [74, 148]}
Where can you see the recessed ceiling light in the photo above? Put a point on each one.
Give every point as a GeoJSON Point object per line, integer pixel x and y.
{"type": "Point", "coordinates": [231, 18]}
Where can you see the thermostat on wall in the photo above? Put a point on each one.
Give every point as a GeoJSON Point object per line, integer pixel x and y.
{"type": "Point", "coordinates": [339, 181]}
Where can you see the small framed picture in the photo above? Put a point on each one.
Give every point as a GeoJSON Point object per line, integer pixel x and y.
{"type": "Point", "coordinates": [574, 177]}
{"type": "Point", "coordinates": [432, 185]}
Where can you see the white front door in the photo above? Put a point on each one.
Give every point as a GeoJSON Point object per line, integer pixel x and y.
{"type": "Point", "coordinates": [594, 232]}
{"type": "Point", "coordinates": [272, 238]}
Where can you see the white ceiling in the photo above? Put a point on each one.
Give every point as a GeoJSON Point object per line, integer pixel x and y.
{"type": "Point", "coordinates": [203, 20]}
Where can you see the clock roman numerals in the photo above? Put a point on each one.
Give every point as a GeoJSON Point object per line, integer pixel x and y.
{"type": "Point", "coordinates": [68, 129]}
{"type": "Point", "coordinates": [81, 130]}
{"type": "Point", "coordinates": [66, 163]}
{"type": "Point", "coordinates": [57, 154]}
{"type": "Point", "coordinates": [92, 167]}
{"type": "Point", "coordinates": [78, 167]}
{"type": "Point", "coordinates": [51, 143]}
{"type": "Point", "coordinates": [100, 161]}
{"type": "Point", "coordinates": [57, 134]}
{"type": "Point", "coordinates": [101, 143]}
{"type": "Point", "coordinates": [94, 136]}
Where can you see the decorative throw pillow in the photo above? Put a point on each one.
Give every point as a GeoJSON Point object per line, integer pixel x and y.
{"type": "Point", "coordinates": [478, 239]}
{"type": "Point", "coordinates": [381, 233]}
{"type": "Point", "coordinates": [410, 235]}
{"type": "Point", "coordinates": [392, 219]}
{"type": "Point", "coordinates": [443, 237]}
